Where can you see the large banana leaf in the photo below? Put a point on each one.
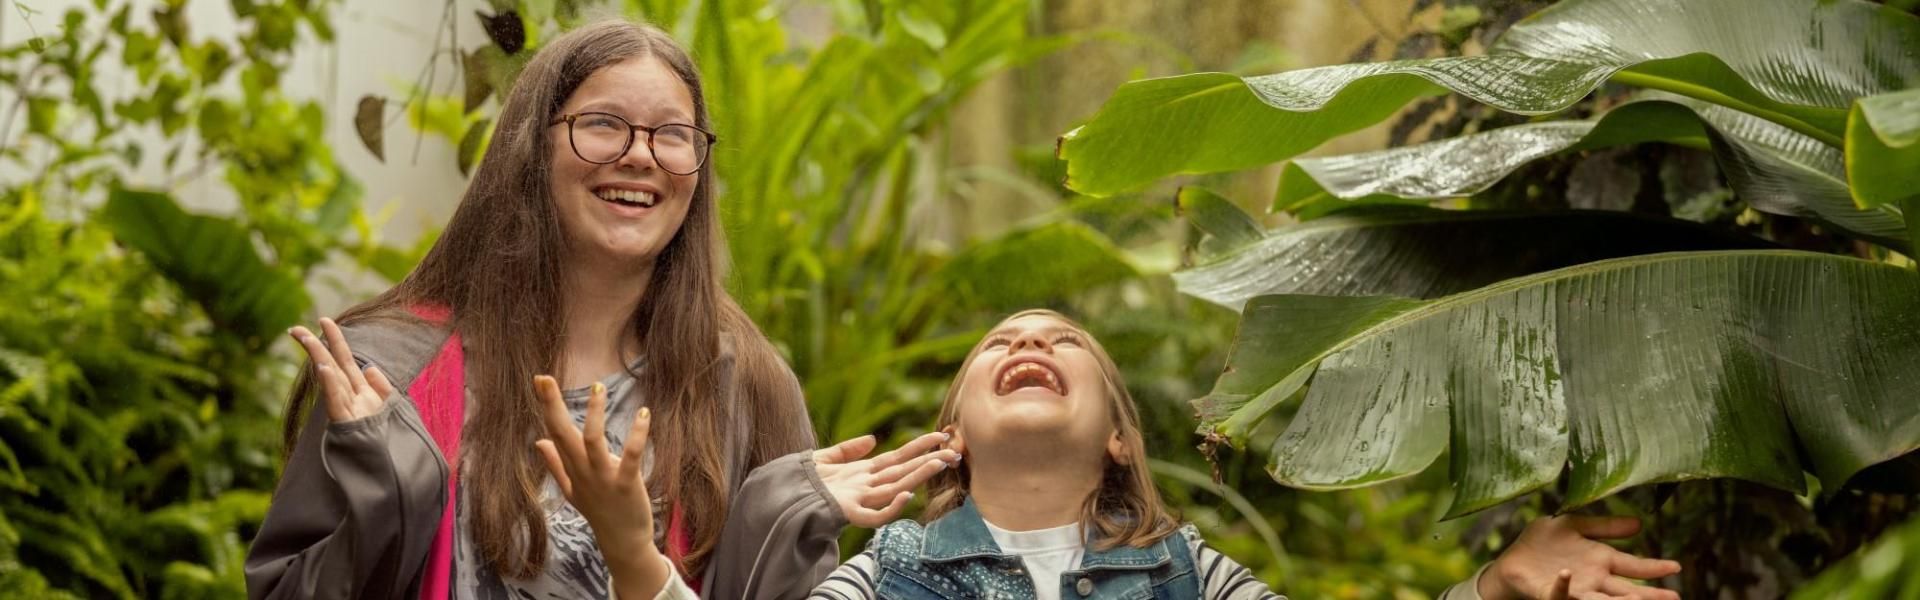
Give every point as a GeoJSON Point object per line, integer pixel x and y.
{"type": "Point", "coordinates": [1634, 370]}
{"type": "Point", "coordinates": [1424, 253]}
{"type": "Point", "coordinates": [213, 260]}
{"type": "Point", "coordinates": [1799, 63]}
{"type": "Point", "coordinates": [1775, 169]}
{"type": "Point", "coordinates": [1883, 147]}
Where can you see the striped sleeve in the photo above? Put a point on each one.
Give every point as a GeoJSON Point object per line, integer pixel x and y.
{"type": "Point", "coordinates": [852, 581]}
{"type": "Point", "coordinates": [1223, 579]}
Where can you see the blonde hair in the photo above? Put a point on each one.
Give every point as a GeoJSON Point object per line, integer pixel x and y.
{"type": "Point", "coordinates": [1126, 509]}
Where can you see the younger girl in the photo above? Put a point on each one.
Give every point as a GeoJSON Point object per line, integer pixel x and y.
{"type": "Point", "coordinates": [1053, 499]}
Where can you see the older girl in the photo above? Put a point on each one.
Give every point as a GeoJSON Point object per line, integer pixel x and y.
{"type": "Point", "coordinates": [587, 246]}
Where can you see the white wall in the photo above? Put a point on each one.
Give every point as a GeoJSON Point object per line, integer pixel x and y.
{"type": "Point", "coordinates": [381, 48]}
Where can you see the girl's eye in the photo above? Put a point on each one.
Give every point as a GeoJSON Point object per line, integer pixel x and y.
{"type": "Point", "coordinates": [1067, 338]}
{"type": "Point", "coordinates": [599, 122]}
{"type": "Point", "coordinates": [996, 342]}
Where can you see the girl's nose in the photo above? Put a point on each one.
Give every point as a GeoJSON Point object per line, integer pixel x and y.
{"type": "Point", "coordinates": [1033, 340]}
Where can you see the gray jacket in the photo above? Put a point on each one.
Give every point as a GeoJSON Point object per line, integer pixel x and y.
{"type": "Point", "coordinates": [359, 502]}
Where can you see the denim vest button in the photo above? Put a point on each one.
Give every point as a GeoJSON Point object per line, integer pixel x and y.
{"type": "Point", "coordinates": [1084, 586]}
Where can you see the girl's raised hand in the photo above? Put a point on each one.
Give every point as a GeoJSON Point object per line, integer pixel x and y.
{"type": "Point", "coordinates": [349, 392]}
{"type": "Point", "coordinates": [1558, 559]}
{"type": "Point", "coordinates": [608, 489]}
{"type": "Point", "coordinates": [873, 491]}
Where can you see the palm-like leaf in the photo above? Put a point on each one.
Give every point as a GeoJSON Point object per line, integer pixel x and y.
{"type": "Point", "coordinates": [1424, 253]}
{"type": "Point", "coordinates": [1795, 63]}
{"type": "Point", "coordinates": [1883, 147]}
{"type": "Point", "coordinates": [1634, 370]}
{"type": "Point", "coordinates": [1774, 168]}
{"type": "Point", "coordinates": [212, 259]}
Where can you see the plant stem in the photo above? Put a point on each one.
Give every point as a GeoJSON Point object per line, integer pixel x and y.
{"type": "Point", "coordinates": [1700, 92]}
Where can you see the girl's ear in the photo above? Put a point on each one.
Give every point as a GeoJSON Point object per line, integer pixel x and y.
{"type": "Point", "coordinates": [958, 443]}
{"type": "Point", "coordinates": [1117, 450]}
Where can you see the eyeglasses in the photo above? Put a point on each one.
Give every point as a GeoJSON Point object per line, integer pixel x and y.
{"type": "Point", "coordinates": [602, 138]}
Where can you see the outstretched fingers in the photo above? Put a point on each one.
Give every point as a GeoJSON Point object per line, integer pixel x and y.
{"type": "Point", "coordinates": [914, 448]}
{"type": "Point", "coordinates": [1604, 527]}
{"type": "Point", "coordinates": [847, 451]}
{"type": "Point", "coordinates": [560, 429]}
{"type": "Point", "coordinates": [883, 514]}
{"type": "Point", "coordinates": [1625, 589]}
{"type": "Point", "coordinates": [1628, 565]}
{"type": "Point", "coordinates": [342, 354]}
{"type": "Point", "coordinates": [555, 466]}
{"type": "Point", "coordinates": [594, 434]}
{"type": "Point", "coordinates": [909, 480]}
{"type": "Point", "coordinates": [635, 449]}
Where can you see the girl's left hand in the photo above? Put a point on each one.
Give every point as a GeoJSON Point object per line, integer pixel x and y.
{"type": "Point", "coordinates": [608, 489]}
{"type": "Point", "coordinates": [1558, 559]}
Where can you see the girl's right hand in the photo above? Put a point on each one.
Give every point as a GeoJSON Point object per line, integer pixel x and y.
{"type": "Point", "coordinates": [873, 491]}
{"type": "Point", "coordinates": [349, 392]}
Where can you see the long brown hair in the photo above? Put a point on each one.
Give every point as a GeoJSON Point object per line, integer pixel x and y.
{"type": "Point", "coordinates": [498, 267]}
{"type": "Point", "coordinates": [1126, 509]}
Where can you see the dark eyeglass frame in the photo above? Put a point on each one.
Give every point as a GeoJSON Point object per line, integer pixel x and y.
{"type": "Point", "coordinates": [632, 132]}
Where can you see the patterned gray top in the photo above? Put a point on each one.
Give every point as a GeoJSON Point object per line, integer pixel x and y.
{"type": "Point", "coordinates": [575, 568]}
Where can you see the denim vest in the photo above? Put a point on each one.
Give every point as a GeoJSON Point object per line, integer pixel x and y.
{"type": "Point", "coordinates": [955, 557]}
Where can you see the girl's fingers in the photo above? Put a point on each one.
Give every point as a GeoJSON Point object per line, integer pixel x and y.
{"type": "Point", "coordinates": [845, 452]}
{"type": "Point", "coordinates": [913, 448]}
{"type": "Point", "coordinates": [316, 351]}
{"type": "Point", "coordinates": [1628, 565]}
{"type": "Point", "coordinates": [595, 431]}
{"type": "Point", "coordinates": [914, 468]}
{"type": "Point", "coordinates": [556, 466]}
{"type": "Point", "coordinates": [914, 478]}
{"type": "Point", "coordinates": [1562, 583]}
{"type": "Point", "coordinates": [560, 429]}
{"type": "Point", "coordinates": [378, 381]}
{"type": "Point", "coordinates": [886, 513]}
{"type": "Point", "coordinates": [1623, 588]}
{"type": "Point", "coordinates": [333, 386]}
{"type": "Point", "coordinates": [635, 450]}
{"type": "Point", "coordinates": [1604, 527]}
{"type": "Point", "coordinates": [342, 354]}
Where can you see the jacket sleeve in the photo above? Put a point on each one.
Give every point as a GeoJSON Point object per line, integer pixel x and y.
{"type": "Point", "coordinates": [782, 535]}
{"type": "Point", "coordinates": [356, 510]}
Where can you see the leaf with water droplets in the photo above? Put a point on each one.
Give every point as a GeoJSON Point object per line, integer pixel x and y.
{"type": "Point", "coordinates": [1604, 367]}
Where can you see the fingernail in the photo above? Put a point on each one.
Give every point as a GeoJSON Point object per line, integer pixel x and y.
{"type": "Point", "coordinates": [943, 464]}
{"type": "Point", "coordinates": [646, 413]}
{"type": "Point", "coordinates": [948, 434]}
{"type": "Point", "coordinates": [599, 388]}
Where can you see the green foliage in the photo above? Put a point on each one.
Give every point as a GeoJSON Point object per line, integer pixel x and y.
{"type": "Point", "coordinates": [1616, 373]}
{"type": "Point", "coordinates": [138, 399]}
{"type": "Point", "coordinates": [1881, 571]}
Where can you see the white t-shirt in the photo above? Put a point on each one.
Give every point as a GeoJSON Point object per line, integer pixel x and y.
{"type": "Point", "coordinates": [1046, 552]}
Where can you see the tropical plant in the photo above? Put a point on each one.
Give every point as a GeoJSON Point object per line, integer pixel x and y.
{"type": "Point", "coordinates": [139, 389]}
{"type": "Point", "coordinates": [1614, 349]}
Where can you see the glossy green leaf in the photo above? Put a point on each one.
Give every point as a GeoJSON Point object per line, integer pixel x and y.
{"type": "Point", "coordinates": [1424, 253]}
{"type": "Point", "coordinates": [1883, 147]}
{"type": "Point", "coordinates": [212, 259]}
{"type": "Point", "coordinates": [1635, 370]}
{"type": "Point", "coordinates": [1225, 225]}
{"type": "Point", "coordinates": [1794, 62]}
{"type": "Point", "coordinates": [1775, 169]}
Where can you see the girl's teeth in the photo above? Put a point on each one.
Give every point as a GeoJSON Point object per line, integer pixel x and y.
{"type": "Point", "coordinates": [628, 197]}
